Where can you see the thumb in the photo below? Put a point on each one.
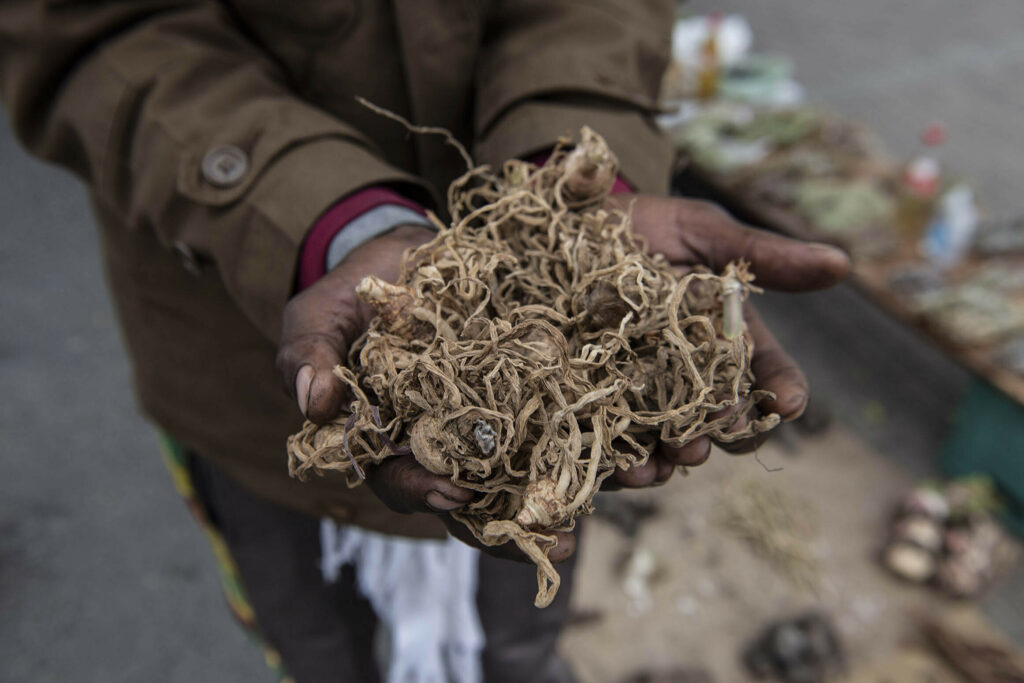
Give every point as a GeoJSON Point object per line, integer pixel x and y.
{"type": "Point", "coordinates": [319, 324]}
{"type": "Point", "coordinates": [306, 366]}
{"type": "Point", "coordinates": [315, 331]}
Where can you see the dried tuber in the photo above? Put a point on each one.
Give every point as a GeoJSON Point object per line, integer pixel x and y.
{"type": "Point", "coordinates": [533, 347]}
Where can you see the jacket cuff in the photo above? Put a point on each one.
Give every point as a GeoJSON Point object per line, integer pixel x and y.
{"type": "Point", "coordinates": [531, 127]}
{"type": "Point", "coordinates": [288, 198]}
{"type": "Point", "coordinates": [352, 221]}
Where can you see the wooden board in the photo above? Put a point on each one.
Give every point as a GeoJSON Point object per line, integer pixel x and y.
{"type": "Point", "coordinates": [870, 276]}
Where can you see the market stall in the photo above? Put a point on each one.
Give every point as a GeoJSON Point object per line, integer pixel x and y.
{"type": "Point", "coordinates": [924, 247]}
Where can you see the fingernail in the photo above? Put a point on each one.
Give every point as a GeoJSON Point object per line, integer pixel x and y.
{"type": "Point", "coordinates": [303, 382]}
{"type": "Point", "coordinates": [831, 251]}
{"type": "Point", "coordinates": [825, 246]}
{"type": "Point", "coordinates": [442, 503]}
{"type": "Point", "coordinates": [794, 408]}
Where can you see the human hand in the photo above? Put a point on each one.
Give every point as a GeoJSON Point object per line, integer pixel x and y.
{"type": "Point", "coordinates": [320, 324]}
{"type": "Point", "coordinates": [318, 327]}
{"type": "Point", "coordinates": [689, 233]}
{"type": "Point", "coordinates": [406, 486]}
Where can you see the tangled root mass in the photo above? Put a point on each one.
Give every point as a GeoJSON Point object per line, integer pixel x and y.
{"type": "Point", "coordinates": [533, 347]}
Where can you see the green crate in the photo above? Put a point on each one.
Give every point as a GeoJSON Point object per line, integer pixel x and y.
{"type": "Point", "coordinates": [988, 438]}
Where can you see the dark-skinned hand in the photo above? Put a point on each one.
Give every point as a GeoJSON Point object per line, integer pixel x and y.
{"type": "Point", "coordinates": [691, 232]}
{"type": "Point", "coordinates": [321, 323]}
{"type": "Point", "coordinates": [317, 329]}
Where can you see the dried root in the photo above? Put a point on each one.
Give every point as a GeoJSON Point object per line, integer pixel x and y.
{"type": "Point", "coordinates": [532, 348]}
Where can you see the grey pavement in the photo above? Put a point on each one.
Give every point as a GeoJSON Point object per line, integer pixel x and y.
{"type": "Point", "coordinates": [896, 66]}
{"type": "Point", "coordinates": [103, 574]}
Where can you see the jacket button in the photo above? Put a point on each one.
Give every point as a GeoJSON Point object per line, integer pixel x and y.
{"type": "Point", "coordinates": [225, 165]}
{"type": "Point", "coordinates": [187, 257]}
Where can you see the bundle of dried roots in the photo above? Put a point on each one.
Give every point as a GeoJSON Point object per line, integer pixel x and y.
{"type": "Point", "coordinates": [533, 347]}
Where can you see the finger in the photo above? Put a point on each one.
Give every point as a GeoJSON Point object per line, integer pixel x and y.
{"type": "Point", "coordinates": [744, 445]}
{"type": "Point", "coordinates": [406, 486]}
{"type": "Point", "coordinates": [638, 476]}
{"type": "Point", "coordinates": [779, 262]}
{"type": "Point", "coordinates": [564, 548]}
{"type": "Point", "coordinates": [741, 421]}
{"type": "Point", "coordinates": [306, 365]}
{"type": "Point", "coordinates": [665, 469]}
{"type": "Point", "coordinates": [691, 454]}
{"type": "Point", "coordinates": [776, 371]}
{"type": "Point", "coordinates": [737, 417]}
{"type": "Point", "coordinates": [611, 484]}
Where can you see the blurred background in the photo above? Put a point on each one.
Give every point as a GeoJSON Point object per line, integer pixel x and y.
{"type": "Point", "coordinates": [104, 575]}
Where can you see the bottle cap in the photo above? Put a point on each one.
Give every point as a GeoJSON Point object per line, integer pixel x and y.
{"type": "Point", "coordinates": [934, 134]}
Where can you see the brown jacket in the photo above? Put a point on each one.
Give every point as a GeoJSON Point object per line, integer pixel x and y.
{"type": "Point", "coordinates": [133, 95]}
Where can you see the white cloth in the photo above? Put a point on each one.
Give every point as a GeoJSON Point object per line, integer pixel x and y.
{"type": "Point", "coordinates": [424, 591]}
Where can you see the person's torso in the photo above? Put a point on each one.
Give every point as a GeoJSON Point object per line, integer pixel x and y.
{"type": "Point", "coordinates": [416, 58]}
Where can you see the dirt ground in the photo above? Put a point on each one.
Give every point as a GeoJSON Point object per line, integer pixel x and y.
{"type": "Point", "coordinates": [710, 593]}
{"type": "Point", "coordinates": [104, 576]}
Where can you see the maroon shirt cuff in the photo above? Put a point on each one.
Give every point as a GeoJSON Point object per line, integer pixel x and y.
{"type": "Point", "coordinates": [313, 260]}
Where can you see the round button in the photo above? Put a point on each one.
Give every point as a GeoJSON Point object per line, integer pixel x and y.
{"type": "Point", "coordinates": [225, 165]}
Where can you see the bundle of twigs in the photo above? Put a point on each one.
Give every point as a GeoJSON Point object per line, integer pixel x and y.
{"type": "Point", "coordinates": [533, 347]}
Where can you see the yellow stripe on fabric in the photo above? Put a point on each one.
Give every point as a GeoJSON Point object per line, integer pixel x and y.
{"type": "Point", "coordinates": [176, 460]}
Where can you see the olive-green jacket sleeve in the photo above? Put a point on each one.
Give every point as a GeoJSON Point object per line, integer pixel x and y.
{"type": "Point", "coordinates": [131, 96]}
{"type": "Point", "coordinates": [548, 67]}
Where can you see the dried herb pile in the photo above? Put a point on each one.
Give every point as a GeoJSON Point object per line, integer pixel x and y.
{"type": "Point", "coordinates": [534, 346]}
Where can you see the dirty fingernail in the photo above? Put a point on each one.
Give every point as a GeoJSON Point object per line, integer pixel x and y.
{"type": "Point", "coordinates": [303, 382]}
{"type": "Point", "coordinates": [794, 407]}
{"type": "Point", "coordinates": [826, 248]}
{"type": "Point", "coordinates": [836, 255]}
{"type": "Point", "coordinates": [438, 501]}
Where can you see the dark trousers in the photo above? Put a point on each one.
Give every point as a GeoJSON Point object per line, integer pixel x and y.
{"type": "Point", "coordinates": [325, 631]}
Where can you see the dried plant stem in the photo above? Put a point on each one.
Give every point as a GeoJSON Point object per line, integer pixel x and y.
{"type": "Point", "coordinates": [424, 130]}
{"type": "Point", "coordinates": [532, 348]}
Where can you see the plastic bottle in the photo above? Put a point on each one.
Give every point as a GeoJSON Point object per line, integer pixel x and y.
{"type": "Point", "coordinates": [920, 184]}
{"type": "Point", "coordinates": [708, 74]}
{"type": "Point", "coordinates": [949, 235]}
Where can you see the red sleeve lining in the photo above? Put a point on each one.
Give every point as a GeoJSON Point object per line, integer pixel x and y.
{"type": "Point", "coordinates": [313, 261]}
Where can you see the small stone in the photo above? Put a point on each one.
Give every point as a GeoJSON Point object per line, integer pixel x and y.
{"type": "Point", "coordinates": [485, 437]}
